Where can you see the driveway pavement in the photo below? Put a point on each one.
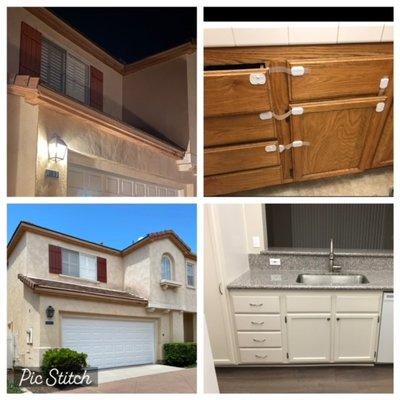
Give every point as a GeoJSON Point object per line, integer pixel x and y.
{"type": "Point", "coordinates": [177, 381]}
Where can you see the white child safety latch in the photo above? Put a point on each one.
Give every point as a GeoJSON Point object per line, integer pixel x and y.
{"type": "Point", "coordinates": [384, 83]}
{"type": "Point", "coordinates": [297, 70]}
{"type": "Point", "coordinates": [380, 107]}
{"type": "Point", "coordinates": [271, 148]}
{"type": "Point", "coordinates": [258, 79]}
{"type": "Point", "coordinates": [269, 114]}
{"type": "Point", "coordinates": [282, 147]}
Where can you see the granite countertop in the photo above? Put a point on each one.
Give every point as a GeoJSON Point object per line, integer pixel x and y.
{"type": "Point", "coordinates": [376, 266]}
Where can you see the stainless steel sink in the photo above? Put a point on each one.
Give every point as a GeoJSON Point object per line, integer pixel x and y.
{"type": "Point", "coordinates": [332, 279]}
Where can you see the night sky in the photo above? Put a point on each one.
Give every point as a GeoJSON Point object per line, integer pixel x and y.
{"type": "Point", "coordinates": [132, 33]}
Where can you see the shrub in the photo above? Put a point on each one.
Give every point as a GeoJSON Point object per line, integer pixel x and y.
{"type": "Point", "coordinates": [65, 360]}
{"type": "Point", "coordinates": [180, 354]}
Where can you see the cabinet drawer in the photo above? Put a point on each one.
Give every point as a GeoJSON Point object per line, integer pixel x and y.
{"type": "Point", "coordinates": [358, 302]}
{"type": "Point", "coordinates": [260, 339]}
{"type": "Point", "coordinates": [258, 322]}
{"type": "Point", "coordinates": [239, 181]}
{"type": "Point", "coordinates": [261, 356]}
{"type": "Point", "coordinates": [346, 77]}
{"type": "Point", "coordinates": [234, 129]}
{"type": "Point", "coordinates": [256, 304]}
{"type": "Point", "coordinates": [309, 303]}
{"type": "Point", "coordinates": [232, 92]}
{"type": "Point", "coordinates": [242, 157]}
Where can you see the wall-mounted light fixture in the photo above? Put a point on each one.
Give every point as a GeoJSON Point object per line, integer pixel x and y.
{"type": "Point", "coordinates": [50, 312]}
{"type": "Point", "coordinates": [57, 149]}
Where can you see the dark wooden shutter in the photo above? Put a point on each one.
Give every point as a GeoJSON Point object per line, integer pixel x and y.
{"type": "Point", "coordinates": [55, 259]}
{"type": "Point", "coordinates": [30, 51]}
{"type": "Point", "coordinates": [96, 88]}
{"type": "Point", "coordinates": [101, 269]}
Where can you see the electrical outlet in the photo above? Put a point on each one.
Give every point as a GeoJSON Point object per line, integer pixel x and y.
{"type": "Point", "coordinates": [274, 261]}
{"type": "Point", "coordinates": [256, 241]}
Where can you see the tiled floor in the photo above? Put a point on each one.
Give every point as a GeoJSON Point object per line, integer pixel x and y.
{"type": "Point", "coordinates": [377, 182]}
{"type": "Point", "coordinates": [182, 381]}
{"type": "Point", "coordinates": [339, 379]}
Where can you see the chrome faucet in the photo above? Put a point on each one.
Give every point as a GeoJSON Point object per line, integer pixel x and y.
{"type": "Point", "coordinates": [333, 267]}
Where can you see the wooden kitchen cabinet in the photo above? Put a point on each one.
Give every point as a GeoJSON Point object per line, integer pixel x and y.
{"type": "Point", "coordinates": [248, 99]}
{"type": "Point", "coordinates": [356, 337]}
{"type": "Point", "coordinates": [309, 337]}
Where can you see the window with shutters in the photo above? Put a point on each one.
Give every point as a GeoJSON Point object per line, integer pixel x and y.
{"type": "Point", "coordinates": [190, 275]}
{"type": "Point", "coordinates": [79, 265]}
{"type": "Point", "coordinates": [63, 72]}
{"type": "Point", "coordinates": [166, 268]}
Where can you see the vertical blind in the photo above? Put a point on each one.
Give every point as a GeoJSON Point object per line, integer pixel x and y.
{"type": "Point", "coordinates": [352, 226]}
{"type": "Point", "coordinates": [63, 72]}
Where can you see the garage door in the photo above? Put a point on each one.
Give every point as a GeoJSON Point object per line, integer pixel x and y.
{"type": "Point", "coordinates": [84, 181]}
{"type": "Point", "coordinates": [110, 343]}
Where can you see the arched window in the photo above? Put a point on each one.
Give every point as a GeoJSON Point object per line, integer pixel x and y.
{"type": "Point", "coordinates": [166, 268]}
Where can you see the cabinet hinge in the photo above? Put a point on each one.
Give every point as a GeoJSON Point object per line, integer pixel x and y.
{"type": "Point", "coordinates": [285, 320]}
{"type": "Point", "coordinates": [379, 318]}
{"type": "Point", "coordinates": [374, 354]}
{"type": "Point", "coordinates": [287, 356]}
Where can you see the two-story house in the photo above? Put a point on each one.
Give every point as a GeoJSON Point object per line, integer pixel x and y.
{"type": "Point", "coordinates": [82, 123]}
{"type": "Point", "coordinates": [117, 306]}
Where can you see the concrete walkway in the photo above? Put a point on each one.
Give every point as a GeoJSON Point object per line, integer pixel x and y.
{"type": "Point", "coordinates": [117, 374]}
{"type": "Point", "coordinates": [178, 381]}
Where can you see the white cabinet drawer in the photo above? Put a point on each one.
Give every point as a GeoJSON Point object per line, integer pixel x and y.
{"type": "Point", "coordinates": [368, 302]}
{"type": "Point", "coordinates": [256, 304]}
{"type": "Point", "coordinates": [260, 339]}
{"type": "Point", "coordinates": [309, 303]}
{"type": "Point", "coordinates": [258, 322]}
{"type": "Point", "coordinates": [261, 356]}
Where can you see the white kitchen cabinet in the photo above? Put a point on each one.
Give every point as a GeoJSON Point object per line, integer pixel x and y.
{"type": "Point", "coordinates": [356, 337]}
{"type": "Point", "coordinates": [309, 337]}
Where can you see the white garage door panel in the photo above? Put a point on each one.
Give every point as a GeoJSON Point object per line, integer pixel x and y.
{"type": "Point", "coordinates": [110, 343]}
{"type": "Point", "coordinates": [91, 182]}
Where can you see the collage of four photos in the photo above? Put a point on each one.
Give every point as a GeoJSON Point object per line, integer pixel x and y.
{"type": "Point", "coordinates": [199, 200]}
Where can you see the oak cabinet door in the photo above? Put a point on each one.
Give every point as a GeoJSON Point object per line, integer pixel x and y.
{"type": "Point", "coordinates": [343, 77]}
{"type": "Point", "coordinates": [309, 337]}
{"type": "Point", "coordinates": [340, 136]}
{"type": "Point", "coordinates": [236, 92]}
{"type": "Point", "coordinates": [355, 337]}
{"type": "Point", "coordinates": [384, 151]}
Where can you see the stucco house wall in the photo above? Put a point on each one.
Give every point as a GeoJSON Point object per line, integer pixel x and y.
{"type": "Point", "coordinates": [137, 272]}
{"type": "Point", "coordinates": [112, 89]}
{"type": "Point", "coordinates": [38, 262]}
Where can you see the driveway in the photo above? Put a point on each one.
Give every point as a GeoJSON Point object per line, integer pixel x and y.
{"type": "Point", "coordinates": [158, 379]}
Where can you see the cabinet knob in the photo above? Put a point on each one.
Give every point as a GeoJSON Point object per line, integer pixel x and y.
{"type": "Point", "coordinates": [337, 319]}
{"type": "Point", "coordinates": [328, 319]}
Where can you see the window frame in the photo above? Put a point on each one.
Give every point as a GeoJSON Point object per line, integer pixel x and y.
{"type": "Point", "coordinates": [188, 263]}
{"type": "Point", "coordinates": [80, 255]}
{"type": "Point", "coordinates": [66, 55]}
{"type": "Point", "coordinates": [171, 268]}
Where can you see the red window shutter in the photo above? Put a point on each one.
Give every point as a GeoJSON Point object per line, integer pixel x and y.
{"type": "Point", "coordinates": [101, 269]}
{"type": "Point", "coordinates": [54, 259]}
{"type": "Point", "coordinates": [30, 51]}
{"type": "Point", "coordinates": [96, 88]}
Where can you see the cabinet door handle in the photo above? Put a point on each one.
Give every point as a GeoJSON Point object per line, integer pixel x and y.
{"type": "Point", "coordinates": [258, 356]}
{"type": "Point", "coordinates": [259, 340]}
{"type": "Point", "coordinates": [337, 319]}
{"type": "Point", "coordinates": [328, 319]}
{"type": "Point", "coordinates": [255, 305]}
{"type": "Point", "coordinates": [220, 288]}
{"type": "Point", "coordinates": [257, 322]}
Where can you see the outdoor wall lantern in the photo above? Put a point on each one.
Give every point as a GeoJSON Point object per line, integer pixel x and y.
{"type": "Point", "coordinates": [57, 149]}
{"type": "Point", "coordinates": [50, 312]}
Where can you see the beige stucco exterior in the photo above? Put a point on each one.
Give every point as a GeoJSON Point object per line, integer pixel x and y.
{"type": "Point", "coordinates": [137, 272]}
{"type": "Point", "coordinates": [95, 141]}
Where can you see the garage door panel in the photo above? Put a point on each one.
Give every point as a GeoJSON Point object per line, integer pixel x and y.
{"type": "Point", "coordinates": [83, 181]}
{"type": "Point", "coordinates": [110, 343]}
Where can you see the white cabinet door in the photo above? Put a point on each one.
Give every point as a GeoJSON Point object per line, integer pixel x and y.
{"type": "Point", "coordinates": [309, 337]}
{"type": "Point", "coordinates": [356, 337]}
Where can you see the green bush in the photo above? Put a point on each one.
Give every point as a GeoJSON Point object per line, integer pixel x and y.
{"type": "Point", "coordinates": [65, 360]}
{"type": "Point", "coordinates": [180, 354]}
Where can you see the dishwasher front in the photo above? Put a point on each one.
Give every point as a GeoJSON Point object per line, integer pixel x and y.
{"type": "Point", "coordinates": [385, 347]}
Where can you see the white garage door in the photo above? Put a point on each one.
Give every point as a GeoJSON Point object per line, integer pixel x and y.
{"type": "Point", "coordinates": [110, 343]}
{"type": "Point", "coordinates": [84, 181]}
